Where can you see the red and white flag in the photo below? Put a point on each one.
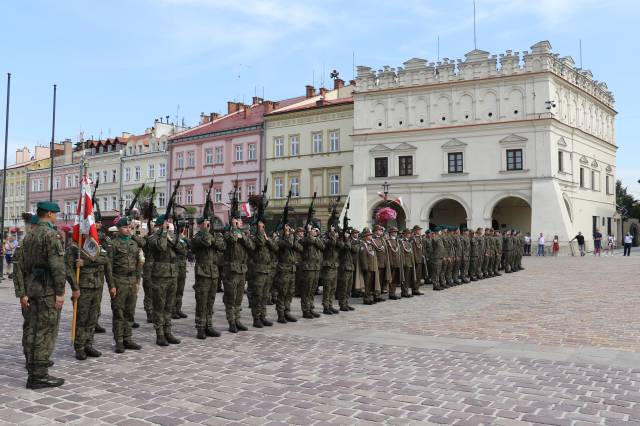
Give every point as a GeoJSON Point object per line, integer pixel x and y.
{"type": "Point", "coordinates": [246, 208]}
{"type": "Point", "coordinates": [398, 201]}
{"type": "Point", "coordinates": [85, 223]}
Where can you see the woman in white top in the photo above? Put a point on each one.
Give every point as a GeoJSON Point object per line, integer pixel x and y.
{"type": "Point", "coordinates": [611, 242]}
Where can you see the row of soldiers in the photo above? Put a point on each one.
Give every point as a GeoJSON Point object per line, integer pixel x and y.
{"type": "Point", "coordinates": [373, 263]}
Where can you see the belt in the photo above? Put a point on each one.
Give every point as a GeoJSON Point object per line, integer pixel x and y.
{"type": "Point", "coordinates": [128, 274]}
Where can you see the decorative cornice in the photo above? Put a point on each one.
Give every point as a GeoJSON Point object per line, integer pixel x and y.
{"type": "Point", "coordinates": [453, 143]}
{"type": "Point", "coordinates": [562, 142]}
{"type": "Point", "coordinates": [584, 160]}
{"type": "Point", "coordinates": [513, 138]}
{"type": "Point", "coordinates": [380, 148]}
{"type": "Point", "coordinates": [405, 147]}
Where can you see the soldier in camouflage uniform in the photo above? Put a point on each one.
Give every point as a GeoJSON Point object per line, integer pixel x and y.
{"type": "Point", "coordinates": [147, 271]}
{"type": "Point", "coordinates": [238, 247]}
{"type": "Point", "coordinates": [457, 249]}
{"type": "Point", "coordinates": [481, 254]}
{"type": "Point", "coordinates": [123, 284]}
{"type": "Point", "coordinates": [164, 249]}
{"type": "Point", "coordinates": [368, 266]}
{"type": "Point", "coordinates": [438, 253]}
{"type": "Point", "coordinates": [466, 254]}
{"type": "Point", "coordinates": [474, 254]}
{"type": "Point", "coordinates": [447, 260]}
{"type": "Point", "coordinates": [288, 248]}
{"type": "Point", "coordinates": [396, 264]}
{"type": "Point", "coordinates": [418, 258]}
{"type": "Point", "coordinates": [90, 286]}
{"type": "Point", "coordinates": [349, 248]}
{"type": "Point", "coordinates": [299, 235]}
{"type": "Point", "coordinates": [182, 271]}
{"type": "Point", "coordinates": [498, 247]}
{"type": "Point", "coordinates": [259, 274]}
{"type": "Point", "coordinates": [39, 278]}
{"type": "Point", "coordinates": [103, 240]}
{"type": "Point", "coordinates": [488, 253]}
{"type": "Point", "coordinates": [329, 270]}
{"type": "Point", "coordinates": [312, 260]}
{"type": "Point", "coordinates": [519, 250]}
{"type": "Point", "coordinates": [207, 247]}
{"type": "Point", "coordinates": [507, 251]}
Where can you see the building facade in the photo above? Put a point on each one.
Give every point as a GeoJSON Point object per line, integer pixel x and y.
{"type": "Point", "coordinates": [528, 145]}
{"type": "Point", "coordinates": [309, 149]}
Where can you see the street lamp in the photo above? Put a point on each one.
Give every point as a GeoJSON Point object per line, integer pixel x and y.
{"type": "Point", "coordinates": [121, 152]}
{"type": "Point", "coordinates": [385, 189]}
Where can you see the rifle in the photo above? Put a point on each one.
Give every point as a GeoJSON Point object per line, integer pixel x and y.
{"type": "Point", "coordinates": [150, 208]}
{"type": "Point", "coordinates": [171, 200]}
{"type": "Point", "coordinates": [134, 201]}
{"type": "Point", "coordinates": [285, 213]}
{"type": "Point", "coordinates": [345, 218]}
{"type": "Point", "coordinates": [310, 212]}
{"type": "Point", "coordinates": [233, 209]}
{"type": "Point", "coordinates": [262, 205]}
{"type": "Point", "coordinates": [333, 219]}
{"type": "Point", "coordinates": [96, 205]}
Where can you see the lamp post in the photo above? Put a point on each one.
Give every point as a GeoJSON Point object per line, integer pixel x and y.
{"type": "Point", "coordinates": [385, 190]}
{"type": "Point", "coordinates": [121, 152]}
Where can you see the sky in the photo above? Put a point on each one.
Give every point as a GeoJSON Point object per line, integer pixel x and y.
{"type": "Point", "coordinates": [121, 64]}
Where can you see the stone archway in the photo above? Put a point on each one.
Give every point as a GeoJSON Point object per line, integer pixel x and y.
{"type": "Point", "coordinates": [401, 220]}
{"type": "Point", "coordinates": [448, 211]}
{"type": "Point", "coordinates": [512, 213]}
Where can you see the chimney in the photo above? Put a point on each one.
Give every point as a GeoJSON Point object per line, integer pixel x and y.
{"type": "Point", "coordinates": [203, 118]}
{"type": "Point", "coordinates": [213, 116]}
{"type": "Point", "coordinates": [256, 100]}
{"type": "Point", "coordinates": [323, 91]}
{"type": "Point", "coordinates": [126, 135]}
{"type": "Point", "coordinates": [321, 102]}
{"type": "Point", "coordinates": [245, 110]}
{"type": "Point", "coordinates": [352, 82]}
{"type": "Point", "coordinates": [233, 107]}
{"type": "Point", "coordinates": [338, 83]}
{"type": "Point", "coordinates": [310, 91]}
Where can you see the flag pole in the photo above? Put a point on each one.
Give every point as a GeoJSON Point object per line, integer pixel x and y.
{"type": "Point", "coordinates": [83, 171]}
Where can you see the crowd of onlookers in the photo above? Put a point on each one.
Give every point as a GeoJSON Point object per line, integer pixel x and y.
{"type": "Point", "coordinates": [601, 243]}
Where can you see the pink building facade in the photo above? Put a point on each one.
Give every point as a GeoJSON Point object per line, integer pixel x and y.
{"type": "Point", "coordinates": [224, 148]}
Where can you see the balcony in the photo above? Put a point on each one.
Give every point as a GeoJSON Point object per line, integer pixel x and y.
{"type": "Point", "coordinates": [278, 203]}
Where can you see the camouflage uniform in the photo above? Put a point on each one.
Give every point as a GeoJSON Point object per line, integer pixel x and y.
{"type": "Point", "coordinates": [288, 249]}
{"type": "Point", "coordinates": [182, 277]}
{"type": "Point", "coordinates": [259, 267]}
{"type": "Point", "coordinates": [39, 274]}
{"type": "Point", "coordinates": [428, 255]}
{"type": "Point", "coordinates": [474, 254]}
{"type": "Point", "coordinates": [238, 247]}
{"type": "Point", "coordinates": [466, 252]}
{"type": "Point", "coordinates": [147, 271]}
{"type": "Point", "coordinates": [329, 271]}
{"type": "Point", "coordinates": [207, 248]}
{"type": "Point", "coordinates": [348, 256]}
{"type": "Point", "coordinates": [312, 255]}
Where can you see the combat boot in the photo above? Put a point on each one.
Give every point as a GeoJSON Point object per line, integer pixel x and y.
{"type": "Point", "coordinates": [44, 382]}
{"type": "Point", "coordinates": [81, 355]}
{"type": "Point", "coordinates": [241, 326]}
{"type": "Point", "coordinates": [201, 334]}
{"type": "Point", "coordinates": [351, 308]}
{"type": "Point", "coordinates": [160, 339]}
{"type": "Point", "coordinates": [149, 318]}
{"type": "Point", "coordinates": [232, 327]}
{"type": "Point", "coordinates": [465, 280]}
{"type": "Point", "coordinates": [135, 325]}
{"type": "Point", "coordinates": [289, 317]}
{"type": "Point", "coordinates": [327, 311]}
{"type": "Point", "coordinates": [130, 344]}
{"type": "Point", "coordinates": [334, 310]}
{"type": "Point", "coordinates": [257, 323]}
{"type": "Point", "coordinates": [281, 319]}
{"type": "Point", "coordinates": [345, 309]}
{"type": "Point", "coordinates": [119, 347]}
{"type": "Point", "coordinates": [307, 315]}
{"type": "Point", "coordinates": [175, 316]}
{"type": "Point", "coordinates": [99, 329]}
{"type": "Point", "coordinates": [92, 352]}
{"type": "Point", "coordinates": [211, 332]}
{"type": "Point", "coordinates": [182, 314]}
{"type": "Point", "coordinates": [417, 293]}
{"type": "Point", "coordinates": [315, 314]}
{"type": "Point", "coordinates": [171, 339]}
{"type": "Point", "coordinates": [266, 322]}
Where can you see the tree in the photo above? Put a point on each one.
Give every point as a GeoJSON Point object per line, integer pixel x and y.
{"type": "Point", "coordinates": [626, 203]}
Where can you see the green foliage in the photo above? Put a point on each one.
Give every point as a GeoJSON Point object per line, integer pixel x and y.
{"type": "Point", "coordinates": [629, 206]}
{"type": "Point", "coordinates": [190, 210]}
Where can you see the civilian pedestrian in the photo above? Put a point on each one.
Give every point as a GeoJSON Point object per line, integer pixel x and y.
{"type": "Point", "coordinates": [628, 239]}
{"type": "Point", "coordinates": [597, 242]}
{"type": "Point", "coordinates": [580, 239]}
{"type": "Point", "coordinates": [527, 244]}
{"type": "Point", "coordinates": [556, 246]}
{"type": "Point", "coordinates": [541, 245]}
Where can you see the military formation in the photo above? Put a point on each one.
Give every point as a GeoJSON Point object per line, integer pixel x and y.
{"type": "Point", "coordinates": [270, 269]}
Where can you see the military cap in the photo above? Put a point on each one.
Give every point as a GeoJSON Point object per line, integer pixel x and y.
{"type": "Point", "coordinates": [124, 221]}
{"type": "Point", "coordinates": [299, 229]}
{"type": "Point", "coordinates": [428, 231]}
{"type": "Point", "coordinates": [200, 219]}
{"type": "Point", "coordinates": [377, 227]}
{"type": "Point", "coordinates": [354, 231]}
{"type": "Point", "coordinates": [393, 229]}
{"type": "Point", "coordinates": [366, 231]}
{"type": "Point", "coordinates": [113, 229]}
{"type": "Point", "coordinates": [417, 227]}
{"type": "Point", "coordinates": [406, 231]}
{"type": "Point", "coordinates": [48, 206]}
{"type": "Point", "coordinates": [34, 219]}
{"type": "Point", "coordinates": [161, 219]}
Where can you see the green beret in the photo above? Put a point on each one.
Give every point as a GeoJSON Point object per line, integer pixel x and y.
{"type": "Point", "coordinates": [160, 219]}
{"type": "Point", "coordinates": [123, 221]}
{"type": "Point", "coordinates": [48, 206]}
{"type": "Point", "coordinates": [34, 219]}
{"type": "Point", "coordinates": [200, 219]}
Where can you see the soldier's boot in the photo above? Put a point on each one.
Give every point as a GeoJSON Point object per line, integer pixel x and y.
{"type": "Point", "coordinates": [92, 352]}
{"type": "Point", "coordinates": [171, 338]}
{"type": "Point", "coordinates": [175, 315]}
{"type": "Point", "coordinates": [327, 311]}
{"type": "Point", "coordinates": [257, 323]}
{"type": "Point", "coordinates": [135, 325]}
{"type": "Point", "coordinates": [266, 321]}
{"type": "Point", "coordinates": [241, 326]}
{"type": "Point", "coordinates": [315, 314]}
{"type": "Point", "coordinates": [417, 292]}
{"type": "Point", "coordinates": [334, 310]}
{"type": "Point", "coordinates": [44, 382]}
{"type": "Point", "coordinates": [498, 274]}
{"type": "Point", "coordinates": [232, 327]}
{"type": "Point", "coordinates": [211, 332]}
{"type": "Point", "coordinates": [99, 329]}
{"type": "Point", "coordinates": [201, 334]}
{"type": "Point", "coordinates": [149, 317]}
{"type": "Point", "coordinates": [119, 348]}
{"type": "Point", "coordinates": [345, 308]}
{"type": "Point", "coordinates": [160, 339]}
{"type": "Point", "coordinates": [130, 344]}
{"type": "Point", "coordinates": [289, 317]}
{"type": "Point", "coordinates": [465, 280]}
{"type": "Point", "coordinates": [307, 315]}
{"type": "Point", "coordinates": [281, 318]}
{"type": "Point", "coordinates": [81, 355]}
{"type": "Point", "coordinates": [182, 314]}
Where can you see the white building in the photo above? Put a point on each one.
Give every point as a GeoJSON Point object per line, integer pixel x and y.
{"type": "Point", "coordinates": [527, 145]}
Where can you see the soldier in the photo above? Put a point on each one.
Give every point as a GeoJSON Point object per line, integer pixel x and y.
{"type": "Point", "coordinates": [428, 254]}
{"type": "Point", "coordinates": [271, 292]}
{"type": "Point", "coordinates": [299, 235]}
{"type": "Point", "coordinates": [238, 247]}
{"type": "Point", "coordinates": [146, 274]}
{"type": "Point", "coordinates": [39, 278]}
{"type": "Point", "coordinates": [519, 250]}
{"type": "Point", "coordinates": [438, 254]}
{"type": "Point", "coordinates": [123, 287]}
{"type": "Point", "coordinates": [312, 259]}
{"type": "Point", "coordinates": [349, 247]}
{"type": "Point", "coordinates": [182, 269]}
{"type": "Point", "coordinates": [418, 258]}
{"type": "Point", "coordinates": [408, 262]}
{"type": "Point", "coordinates": [101, 236]}
{"type": "Point", "coordinates": [481, 254]}
{"type": "Point", "coordinates": [288, 248]}
{"type": "Point", "coordinates": [164, 246]}
{"type": "Point", "coordinates": [474, 253]}
{"type": "Point", "coordinates": [259, 273]}
{"type": "Point", "coordinates": [488, 253]}
{"type": "Point", "coordinates": [507, 250]}
{"type": "Point", "coordinates": [397, 265]}
{"type": "Point", "coordinates": [368, 266]}
{"type": "Point", "coordinates": [207, 247]}
{"type": "Point", "coordinates": [329, 271]}
{"type": "Point", "coordinates": [384, 273]}
{"type": "Point", "coordinates": [447, 260]}
{"type": "Point", "coordinates": [465, 240]}
{"type": "Point", "coordinates": [498, 257]}
{"type": "Point", "coordinates": [90, 287]}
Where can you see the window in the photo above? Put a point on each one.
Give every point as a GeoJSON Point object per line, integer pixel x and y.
{"type": "Point", "coordinates": [334, 141]}
{"type": "Point", "coordinates": [191, 158]}
{"type": "Point", "coordinates": [560, 161]}
{"type": "Point", "coordinates": [114, 203]}
{"type": "Point", "coordinates": [608, 181]}
{"type": "Point", "coordinates": [217, 195]}
{"type": "Point", "coordinates": [279, 188]}
{"type": "Point", "coordinates": [295, 186]}
{"type": "Point", "coordinates": [514, 159]}
{"type": "Point", "coordinates": [180, 160]}
{"type": "Point", "coordinates": [104, 176]}
{"type": "Point", "coordinates": [189, 196]}
{"type": "Point", "coordinates": [68, 181]}
{"type": "Point", "coordinates": [151, 171]}
{"type": "Point", "coordinates": [581, 177]}
{"type": "Point", "coordinates": [178, 199]}
{"type": "Point", "coordinates": [139, 149]}
{"type": "Point", "coordinates": [105, 202]}
{"type": "Point", "coordinates": [208, 156]}
{"type": "Point", "coordinates": [381, 167]}
{"type": "Point", "coordinates": [595, 180]}
{"type": "Point", "coordinates": [253, 152]}
{"type": "Point", "coordinates": [127, 174]}
{"type": "Point", "coordinates": [76, 180]}
{"type": "Point", "coordinates": [405, 164]}
{"type": "Point", "coordinates": [278, 146]}
{"type": "Point", "coordinates": [219, 155]}
{"type": "Point", "coordinates": [56, 182]}
{"type": "Point", "coordinates": [334, 185]}
{"type": "Point", "coordinates": [137, 173]}
{"type": "Point", "coordinates": [251, 189]}
{"type": "Point", "coordinates": [163, 170]}
{"type": "Point", "coordinates": [161, 199]}
{"type": "Point", "coordinates": [127, 199]}
{"type": "Point", "coordinates": [294, 142]}
{"type": "Point", "coordinates": [67, 207]}
{"type": "Point", "coordinates": [114, 175]}
{"type": "Point", "coordinates": [130, 150]}
{"type": "Point", "coordinates": [455, 162]}
{"type": "Point", "coordinates": [317, 142]}
{"type": "Point", "coordinates": [238, 151]}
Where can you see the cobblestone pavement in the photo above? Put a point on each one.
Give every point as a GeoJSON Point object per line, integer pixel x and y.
{"type": "Point", "coordinates": [558, 343]}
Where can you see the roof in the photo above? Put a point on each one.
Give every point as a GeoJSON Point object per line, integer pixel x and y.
{"type": "Point", "coordinates": [235, 120]}
{"type": "Point", "coordinates": [135, 138]}
{"type": "Point", "coordinates": [315, 105]}
{"type": "Point", "coordinates": [330, 98]}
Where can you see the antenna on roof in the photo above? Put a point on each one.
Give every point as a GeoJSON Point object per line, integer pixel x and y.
{"type": "Point", "coordinates": [353, 64]}
{"type": "Point", "coordinates": [475, 45]}
{"type": "Point", "coordinates": [322, 77]}
{"type": "Point", "coordinates": [438, 48]}
{"type": "Point", "coordinates": [580, 53]}
{"type": "Point", "coordinates": [313, 78]}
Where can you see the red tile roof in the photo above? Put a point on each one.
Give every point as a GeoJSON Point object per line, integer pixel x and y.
{"type": "Point", "coordinates": [324, 103]}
